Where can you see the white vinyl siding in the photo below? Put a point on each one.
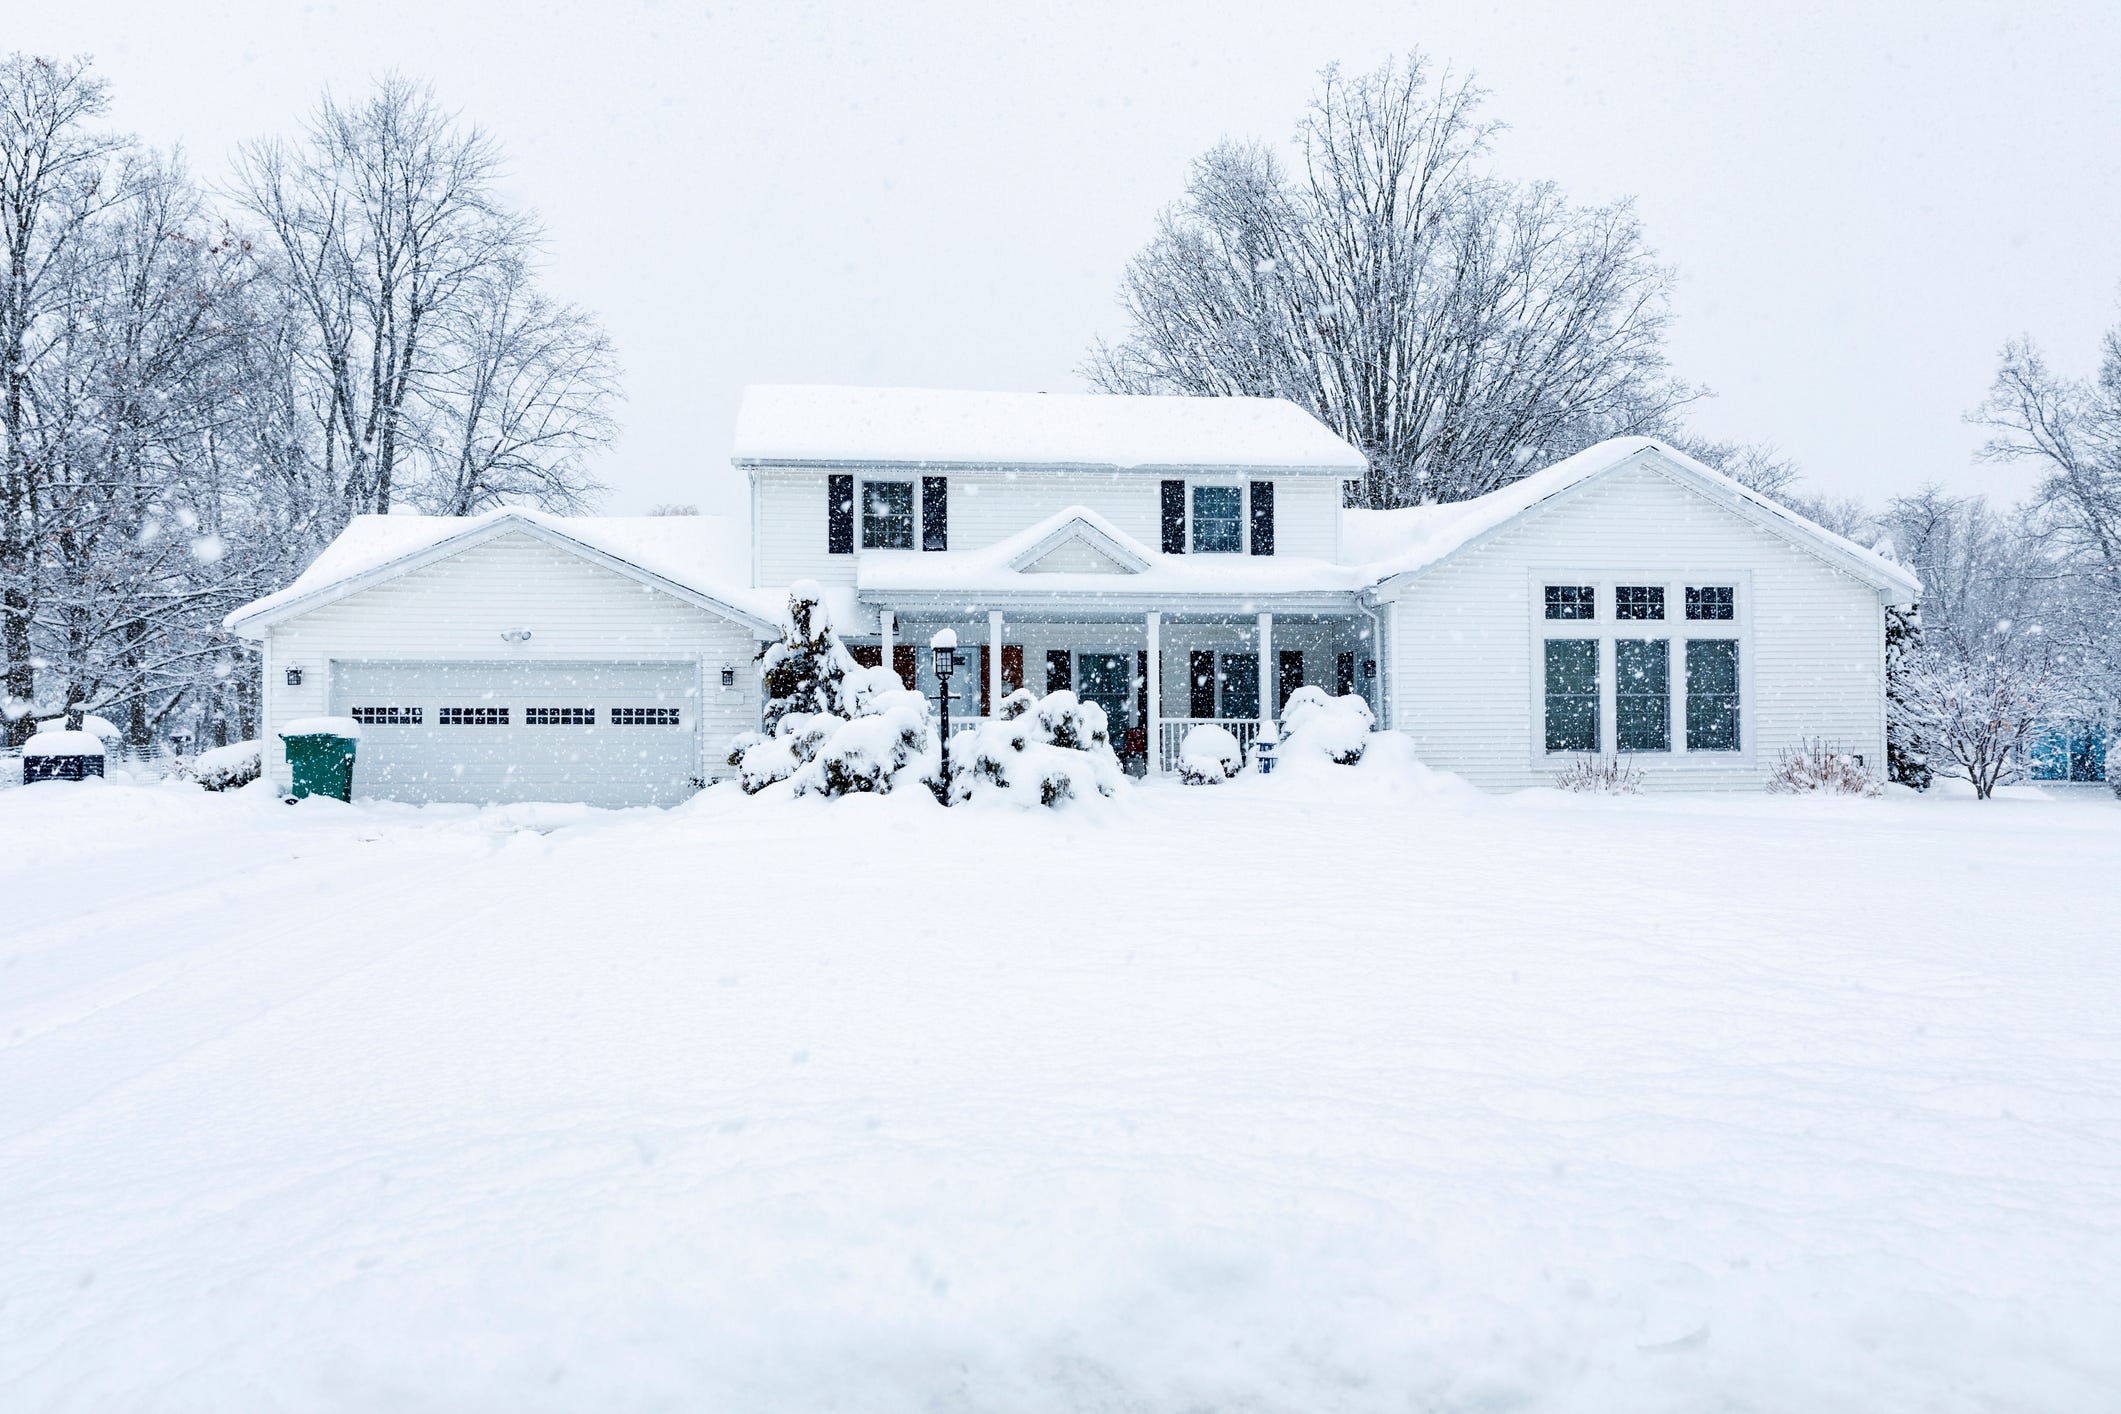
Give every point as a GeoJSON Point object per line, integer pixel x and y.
{"type": "Point", "coordinates": [789, 513]}
{"type": "Point", "coordinates": [1467, 665]}
{"type": "Point", "coordinates": [457, 608]}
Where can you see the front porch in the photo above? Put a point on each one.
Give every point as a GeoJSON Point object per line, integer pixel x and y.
{"type": "Point", "coordinates": [1156, 672]}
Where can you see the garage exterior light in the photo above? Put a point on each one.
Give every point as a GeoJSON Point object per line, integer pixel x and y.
{"type": "Point", "coordinates": [294, 677]}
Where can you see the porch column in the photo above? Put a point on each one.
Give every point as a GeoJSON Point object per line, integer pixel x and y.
{"type": "Point", "coordinates": [1268, 673]}
{"type": "Point", "coordinates": [884, 625]}
{"type": "Point", "coordinates": [994, 661]}
{"type": "Point", "coordinates": [1153, 624]}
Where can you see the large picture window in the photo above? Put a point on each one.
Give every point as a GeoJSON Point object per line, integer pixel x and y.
{"type": "Point", "coordinates": [887, 515]}
{"type": "Point", "coordinates": [1642, 701]}
{"type": "Point", "coordinates": [1712, 694]}
{"type": "Point", "coordinates": [1218, 520]}
{"type": "Point", "coordinates": [1572, 694]}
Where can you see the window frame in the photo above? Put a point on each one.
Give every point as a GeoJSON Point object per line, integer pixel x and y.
{"type": "Point", "coordinates": [912, 483]}
{"type": "Point", "coordinates": [1674, 628]}
{"type": "Point", "coordinates": [1240, 519]}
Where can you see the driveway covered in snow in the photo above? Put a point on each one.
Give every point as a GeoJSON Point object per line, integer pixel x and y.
{"type": "Point", "coordinates": [1269, 1096]}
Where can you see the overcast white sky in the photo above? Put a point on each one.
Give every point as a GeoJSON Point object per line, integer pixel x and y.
{"type": "Point", "coordinates": [1863, 200]}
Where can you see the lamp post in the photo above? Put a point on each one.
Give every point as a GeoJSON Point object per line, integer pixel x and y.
{"type": "Point", "coordinates": [943, 649]}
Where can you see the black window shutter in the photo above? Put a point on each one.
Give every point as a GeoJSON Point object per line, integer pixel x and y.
{"type": "Point", "coordinates": [839, 515]}
{"type": "Point", "coordinates": [1174, 517]}
{"type": "Point", "coordinates": [935, 513]}
{"type": "Point", "coordinates": [1262, 517]}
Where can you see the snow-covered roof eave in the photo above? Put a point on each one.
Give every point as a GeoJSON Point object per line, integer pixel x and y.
{"type": "Point", "coordinates": [1561, 481]}
{"type": "Point", "coordinates": [1258, 470]}
{"type": "Point", "coordinates": [253, 619]}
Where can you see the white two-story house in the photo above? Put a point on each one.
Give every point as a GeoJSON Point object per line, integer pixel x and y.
{"type": "Point", "coordinates": [1176, 560]}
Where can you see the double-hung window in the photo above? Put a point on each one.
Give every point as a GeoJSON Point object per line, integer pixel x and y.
{"type": "Point", "coordinates": [887, 515]}
{"type": "Point", "coordinates": [1218, 520]}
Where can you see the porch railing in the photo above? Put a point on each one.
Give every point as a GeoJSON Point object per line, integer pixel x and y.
{"type": "Point", "coordinates": [1172, 735]}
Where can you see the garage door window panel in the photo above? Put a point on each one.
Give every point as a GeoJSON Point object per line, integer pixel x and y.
{"type": "Point", "coordinates": [472, 717]}
{"type": "Point", "coordinates": [645, 717]}
{"type": "Point", "coordinates": [559, 716]}
{"type": "Point", "coordinates": [388, 716]}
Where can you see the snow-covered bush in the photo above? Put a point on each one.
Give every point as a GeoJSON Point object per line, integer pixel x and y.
{"type": "Point", "coordinates": [1317, 726]}
{"type": "Point", "coordinates": [1819, 768]}
{"type": "Point", "coordinates": [1209, 756]}
{"type": "Point", "coordinates": [805, 669]}
{"type": "Point", "coordinates": [1601, 775]}
{"type": "Point", "coordinates": [227, 767]}
{"type": "Point", "coordinates": [873, 750]}
{"type": "Point", "coordinates": [1045, 751]}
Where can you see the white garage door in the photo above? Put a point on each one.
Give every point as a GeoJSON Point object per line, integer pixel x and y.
{"type": "Point", "coordinates": [603, 733]}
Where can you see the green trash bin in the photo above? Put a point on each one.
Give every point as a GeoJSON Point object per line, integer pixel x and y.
{"type": "Point", "coordinates": [320, 756]}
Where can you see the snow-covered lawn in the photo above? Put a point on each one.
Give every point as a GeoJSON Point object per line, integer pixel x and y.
{"type": "Point", "coordinates": [1263, 1097]}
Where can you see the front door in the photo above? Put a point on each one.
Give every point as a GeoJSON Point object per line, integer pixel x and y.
{"type": "Point", "coordinates": [1108, 680]}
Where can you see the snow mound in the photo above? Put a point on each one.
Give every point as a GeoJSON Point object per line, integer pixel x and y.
{"type": "Point", "coordinates": [1318, 728]}
{"type": "Point", "coordinates": [1209, 756]}
{"type": "Point", "coordinates": [323, 726]}
{"type": "Point", "coordinates": [63, 743]}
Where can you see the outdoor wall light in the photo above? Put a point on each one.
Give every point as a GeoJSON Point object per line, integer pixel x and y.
{"type": "Point", "coordinates": [728, 675]}
{"type": "Point", "coordinates": [294, 677]}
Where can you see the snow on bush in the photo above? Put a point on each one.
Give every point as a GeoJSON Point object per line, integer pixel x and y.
{"type": "Point", "coordinates": [1601, 775]}
{"type": "Point", "coordinates": [1036, 751]}
{"type": "Point", "coordinates": [1209, 756]}
{"type": "Point", "coordinates": [832, 728]}
{"type": "Point", "coordinates": [1817, 767]}
{"type": "Point", "coordinates": [871, 751]}
{"type": "Point", "coordinates": [227, 767]}
{"type": "Point", "coordinates": [1315, 726]}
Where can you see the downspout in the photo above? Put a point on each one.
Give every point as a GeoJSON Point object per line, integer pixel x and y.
{"type": "Point", "coordinates": [1377, 641]}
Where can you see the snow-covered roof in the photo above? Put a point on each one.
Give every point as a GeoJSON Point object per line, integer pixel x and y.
{"type": "Point", "coordinates": [1004, 567]}
{"type": "Point", "coordinates": [1389, 543]}
{"type": "Point", "coordinates": [1108, 431]}
{"type": "Point", "coordinates": [704, 556]}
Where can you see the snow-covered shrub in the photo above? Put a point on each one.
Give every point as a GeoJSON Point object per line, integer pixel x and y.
{"type": "Point", "coordinates": [1209, 756]}
{"type": "Point", "coordinates": [227, 767]}
{"type": "Point", "coordinates": [869, 753]}
{"type": "Point", "coordinates": [806, 672]}
{"type": "Point", "coordinates": [805, 669]}
{"type": "Point", "coordinates": [1819, 768]}
{"type": "Point", "coordinates": [1317, 726]}
{"type": "Point", "coordinates": [1055, 748]}
{"type": "Point", "coordinates": [1601, 775]}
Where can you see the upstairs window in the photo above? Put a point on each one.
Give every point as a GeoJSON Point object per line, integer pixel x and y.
{"type": "Point", "coordinates": [1712, 694]}
{"type": "Point", "coordinates": [1218, 520]}
{"type": "Point", "coordinates": [1572, 601]}
{"type": "Point", "coordinates": [1712, 601]}
{"type": "Point", "coordinates": [887, 515]}
{"type": "Point", "coordinates": [1638, 601]}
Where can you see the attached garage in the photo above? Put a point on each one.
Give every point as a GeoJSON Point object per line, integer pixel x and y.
{"type": "Point", "coordinates": [516, 656]}
{"type": "Point", "coordinates": [604, 733]}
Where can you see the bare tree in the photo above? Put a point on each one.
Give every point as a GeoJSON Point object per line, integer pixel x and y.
{"type": "Point", "coordinates": [525, 402]}
{"type": "Point", "coordinates": [55, 181]}
{"type": "Point", "coordinates": [2072, 427]}
{"type": "Point", "coordinates": [428, 357]}
{"type": "Point", "coordinates": [1459, 328]}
